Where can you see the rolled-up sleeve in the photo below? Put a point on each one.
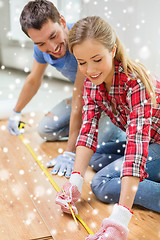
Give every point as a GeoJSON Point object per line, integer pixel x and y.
{"type": "Point", "coordinates": [90, 118]}
{"type": "Point", "coordinates": [137, 132]}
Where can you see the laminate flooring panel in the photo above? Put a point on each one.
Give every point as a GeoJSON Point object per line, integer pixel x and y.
{"type": "Point", "coordinates": [143, 221]}
{"type": "Point", "coordinates": [60, 225]}
{"type": "Point", "coordinates": [144, 224]}
{"type": "Point", "coordinates": [18, 216]}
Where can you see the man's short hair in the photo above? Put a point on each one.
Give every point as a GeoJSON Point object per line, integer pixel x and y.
{"type": "Point", "coordinates": [36, 13]}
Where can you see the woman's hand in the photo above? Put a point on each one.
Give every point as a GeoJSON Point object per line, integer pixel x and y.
{"type": "Point", "coordinates": [70, 193]}
{"type": "Point", "coordinates": [115, 227]}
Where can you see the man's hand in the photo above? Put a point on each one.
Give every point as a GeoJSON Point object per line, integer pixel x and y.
{"type": "Point", "coordinates": [115, 227]}
{"type": "Point", "coordinates": [63, 164]}
{"type": "Point", "coordinates": [13, 123]}
{"type": "Point", "coordinates": [70, 193]}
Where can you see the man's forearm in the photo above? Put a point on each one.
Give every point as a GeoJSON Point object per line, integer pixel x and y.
{"type": "Point", "coordinates": [129, 186]}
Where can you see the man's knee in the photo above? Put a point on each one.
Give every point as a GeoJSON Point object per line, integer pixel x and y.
{"type": "Point", "coordinates": [47, 129]}
{"type": "Point", "coordinates": [51, 129]}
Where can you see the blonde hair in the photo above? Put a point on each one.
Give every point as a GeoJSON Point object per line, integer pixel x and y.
{"type": "Point", "coordinates": [96, 28]}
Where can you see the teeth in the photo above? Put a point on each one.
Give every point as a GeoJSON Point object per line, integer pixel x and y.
{"type": "Point", "coordinates": [57, 50]}
{"type": "Point", "coordinates": [94, 76]}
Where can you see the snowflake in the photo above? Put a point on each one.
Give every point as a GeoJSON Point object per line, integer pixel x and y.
{"type": "Point", "coordinates": [134, 188]}
{"type": "Point", "coordinates": [39, 191]}
{"type": "Point", "coordinates": [3, 127]}
{"type": "Point", "coordinates": [4, 175]}
{"type": "Point", "coordinates": [39, 158]}
{"type": "Point", "coordinates": [72, 226]}
{"type": "Point", "coordinates": [95, 211]}
{"type": "Point", "coordinates": [86, 1]}
{"type": "Point", "coordinates": [60, 150]}
{"type": "Point", "coordinates": [53, 232]}
{"type": "Point", "coordinates": [55, 118]}
{"type": "Point", "coordinates": [93, 224]}
{"type": "Point", "coordinates": [26, 69]}
{"type": "Point", "coordinates": [16, 189]}
{"type": "Point", "coordinates": [5, 149]}
{"type": "Point", "coordinates": [31, 121]}
{"type": "Point", "coordinates": [144, 52]}
{"type": "Point", "coordinates": [30, 218]}
{"type": "Point", "coordinates": [21, 172]}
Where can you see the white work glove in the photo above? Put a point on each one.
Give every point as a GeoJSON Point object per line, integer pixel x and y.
{"type": "Point", "coordinates": [116, 226]}
{"type": "Point", "coordinates": [70, 193]}
{"type": "Point", "coordinates": [13, 123]}
{"type": "Point", "coordinates": [63, 164]}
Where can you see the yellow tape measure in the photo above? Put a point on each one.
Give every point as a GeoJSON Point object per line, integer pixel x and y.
{"type": "Point", "coordinates": [54, 184]}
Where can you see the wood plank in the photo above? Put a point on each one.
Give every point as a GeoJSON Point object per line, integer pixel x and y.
{"type": "Point", "coordinates": [18, 216]}
{"type": "Point", "coordinates": [144, 223]}
{"type": "Point", "coordinates": [49, 150]}
{"type": "Point", "coordinates": [43, 238]}
{"type": "Point", "coordinates": [43, 195]}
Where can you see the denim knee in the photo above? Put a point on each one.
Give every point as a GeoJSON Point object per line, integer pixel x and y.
{"type": "Point", "coordinates": [106, 189]}
{"type": "Point", "coordinates": [51, 131]}
{"type": "Point", "coordinates": [45, 133]}
{"type": "Point", "coordinates": [108, 132]}
{"type": "Point", "coordinates": [99, 161]}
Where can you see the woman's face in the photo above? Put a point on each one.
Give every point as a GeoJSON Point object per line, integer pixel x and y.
{"type": "Point", "coordinates": [95, 61]}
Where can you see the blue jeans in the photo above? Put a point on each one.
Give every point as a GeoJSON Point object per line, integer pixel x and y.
{"type": "Point", "coordinates": [56, 128]}
{"type": "Point", "coordinates": [106, 184]}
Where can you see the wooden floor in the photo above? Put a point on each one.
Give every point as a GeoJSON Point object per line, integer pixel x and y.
{"type": "Point", "coordinates": [27, 207]}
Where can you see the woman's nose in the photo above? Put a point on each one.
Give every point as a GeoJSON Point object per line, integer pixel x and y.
{"type": "Point", "coordinates": [89, 69]}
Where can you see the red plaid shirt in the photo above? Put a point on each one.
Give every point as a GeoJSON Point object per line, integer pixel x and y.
{"type": "Point", "coordinates": [134, 114]}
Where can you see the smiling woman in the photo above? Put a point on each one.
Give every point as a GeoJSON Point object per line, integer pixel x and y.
{"type": "Point", "coordinates": [96, 63]}
{"type": "Point", "coordinates": [130, 96]}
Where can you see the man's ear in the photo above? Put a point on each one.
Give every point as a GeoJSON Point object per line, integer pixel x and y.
{"type": "Point", "coordinates": [63, 21]}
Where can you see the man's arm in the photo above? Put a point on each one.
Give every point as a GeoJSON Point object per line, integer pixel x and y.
{"type": "Point", "coordinates": [31, 85]}
{"type": "Point", "coordinates": [76, 113]}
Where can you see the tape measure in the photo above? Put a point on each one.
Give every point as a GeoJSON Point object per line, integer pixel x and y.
{"type": "Point", "coordinates": [54, 184]}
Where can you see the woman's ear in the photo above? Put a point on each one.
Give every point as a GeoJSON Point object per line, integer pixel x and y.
{"type": "Point", "coordinates": [114, 51]}
{"type": "Point", "coordinates": [63, 21]}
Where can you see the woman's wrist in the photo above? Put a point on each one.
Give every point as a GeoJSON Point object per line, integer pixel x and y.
{"type": "Point", "coordinates": [76, 179]}
{"type": "Point", "coordinates": [121, 215]}
{"type": "Point", "coordinates": [126, 208]}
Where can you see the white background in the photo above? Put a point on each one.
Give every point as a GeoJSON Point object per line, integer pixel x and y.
{"type": "Point", "coordinates": [137, 23]}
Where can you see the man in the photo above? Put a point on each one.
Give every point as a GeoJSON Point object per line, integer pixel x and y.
{"type": "Point", "coordinates": [42, 22]}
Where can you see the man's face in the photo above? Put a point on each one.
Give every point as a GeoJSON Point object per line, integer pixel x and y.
{"type": "Point", "coordinates": [52, 38]}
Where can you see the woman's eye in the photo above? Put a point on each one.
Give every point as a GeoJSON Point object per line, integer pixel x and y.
{"type": "Point", "coordinates": [98, 60]}
{"type": "Point", "coordinates": [81, 63]}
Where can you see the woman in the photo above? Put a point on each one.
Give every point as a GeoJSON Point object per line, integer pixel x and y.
{"type": "Point", "coordinates": [130, 96]}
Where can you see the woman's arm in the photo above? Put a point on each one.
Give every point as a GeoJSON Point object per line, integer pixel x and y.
{"type": "Point", "coordinates": [76, 114]}
{"type": "Point", "coordinates": [83, 157]}
{"type": "Point", "coordinates": [129, 186]}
